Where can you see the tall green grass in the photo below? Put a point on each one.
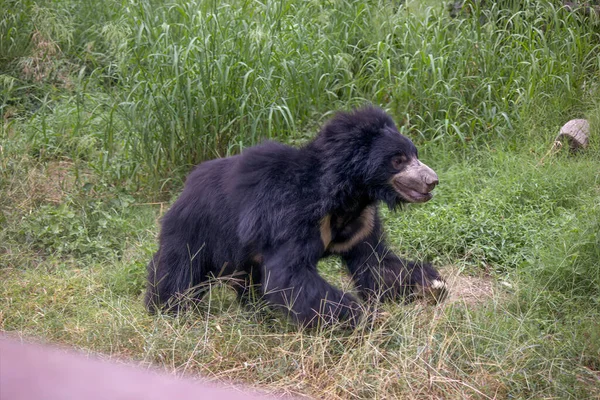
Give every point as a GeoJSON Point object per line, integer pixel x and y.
{"type": "Point", "coordinates": [187, 81]}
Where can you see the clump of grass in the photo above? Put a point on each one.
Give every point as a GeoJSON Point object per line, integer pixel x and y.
{"type": "Point", "coordinates": [569, 262]}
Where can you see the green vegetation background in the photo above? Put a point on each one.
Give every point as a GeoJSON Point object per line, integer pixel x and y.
{"type": "Point", "coordinates": [105, 106]}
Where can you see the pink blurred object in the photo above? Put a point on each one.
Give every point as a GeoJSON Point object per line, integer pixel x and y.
{"type": "Point", "coordinates": [34, 372]}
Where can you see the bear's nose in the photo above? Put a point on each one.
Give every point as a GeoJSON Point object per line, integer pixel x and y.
{"type": "Point", "coordinates": [431, 180]}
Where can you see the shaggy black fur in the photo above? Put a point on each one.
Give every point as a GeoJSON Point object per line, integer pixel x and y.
{"type": "Point", "coordinates": [267, 216]}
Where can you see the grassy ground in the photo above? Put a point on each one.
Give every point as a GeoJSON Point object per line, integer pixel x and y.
{"type": "Point", "coordinates": [105, 108]}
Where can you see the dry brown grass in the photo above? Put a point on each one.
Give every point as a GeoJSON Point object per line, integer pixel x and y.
{"type": "Point", "coordinates": [469, 290]}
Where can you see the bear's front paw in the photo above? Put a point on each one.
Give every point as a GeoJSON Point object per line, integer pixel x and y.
{"type": "Point", "coordinates": [427, 284]}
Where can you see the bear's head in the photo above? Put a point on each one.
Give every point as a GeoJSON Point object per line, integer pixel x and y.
{"type": "Point", "coordinates": [396, 175]}
{"type": "Point", "coordinates": [363, 150]}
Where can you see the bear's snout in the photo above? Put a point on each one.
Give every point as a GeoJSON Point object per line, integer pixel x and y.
{"type": "Point", "coordinates": [415, 183]}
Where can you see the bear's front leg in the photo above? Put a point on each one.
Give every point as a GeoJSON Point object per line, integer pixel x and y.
{"type": "Point", "coordinates": [291, 283]}
{"type": "Point", "coordinates": [380, 275]}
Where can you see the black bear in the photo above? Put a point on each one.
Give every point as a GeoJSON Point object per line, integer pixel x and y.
{"type": "Point", "coordinates": [264, 219]}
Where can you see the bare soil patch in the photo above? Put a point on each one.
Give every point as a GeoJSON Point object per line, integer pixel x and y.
{"type": "Point", "coordinates": [469, 290]}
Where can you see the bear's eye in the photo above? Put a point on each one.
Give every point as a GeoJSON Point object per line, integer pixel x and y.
{"type": "Point", "coordinates": [398, 160]}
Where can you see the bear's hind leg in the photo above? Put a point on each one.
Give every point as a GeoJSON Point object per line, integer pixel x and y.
{"type": "Point", "coordinates": [173, 284]}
